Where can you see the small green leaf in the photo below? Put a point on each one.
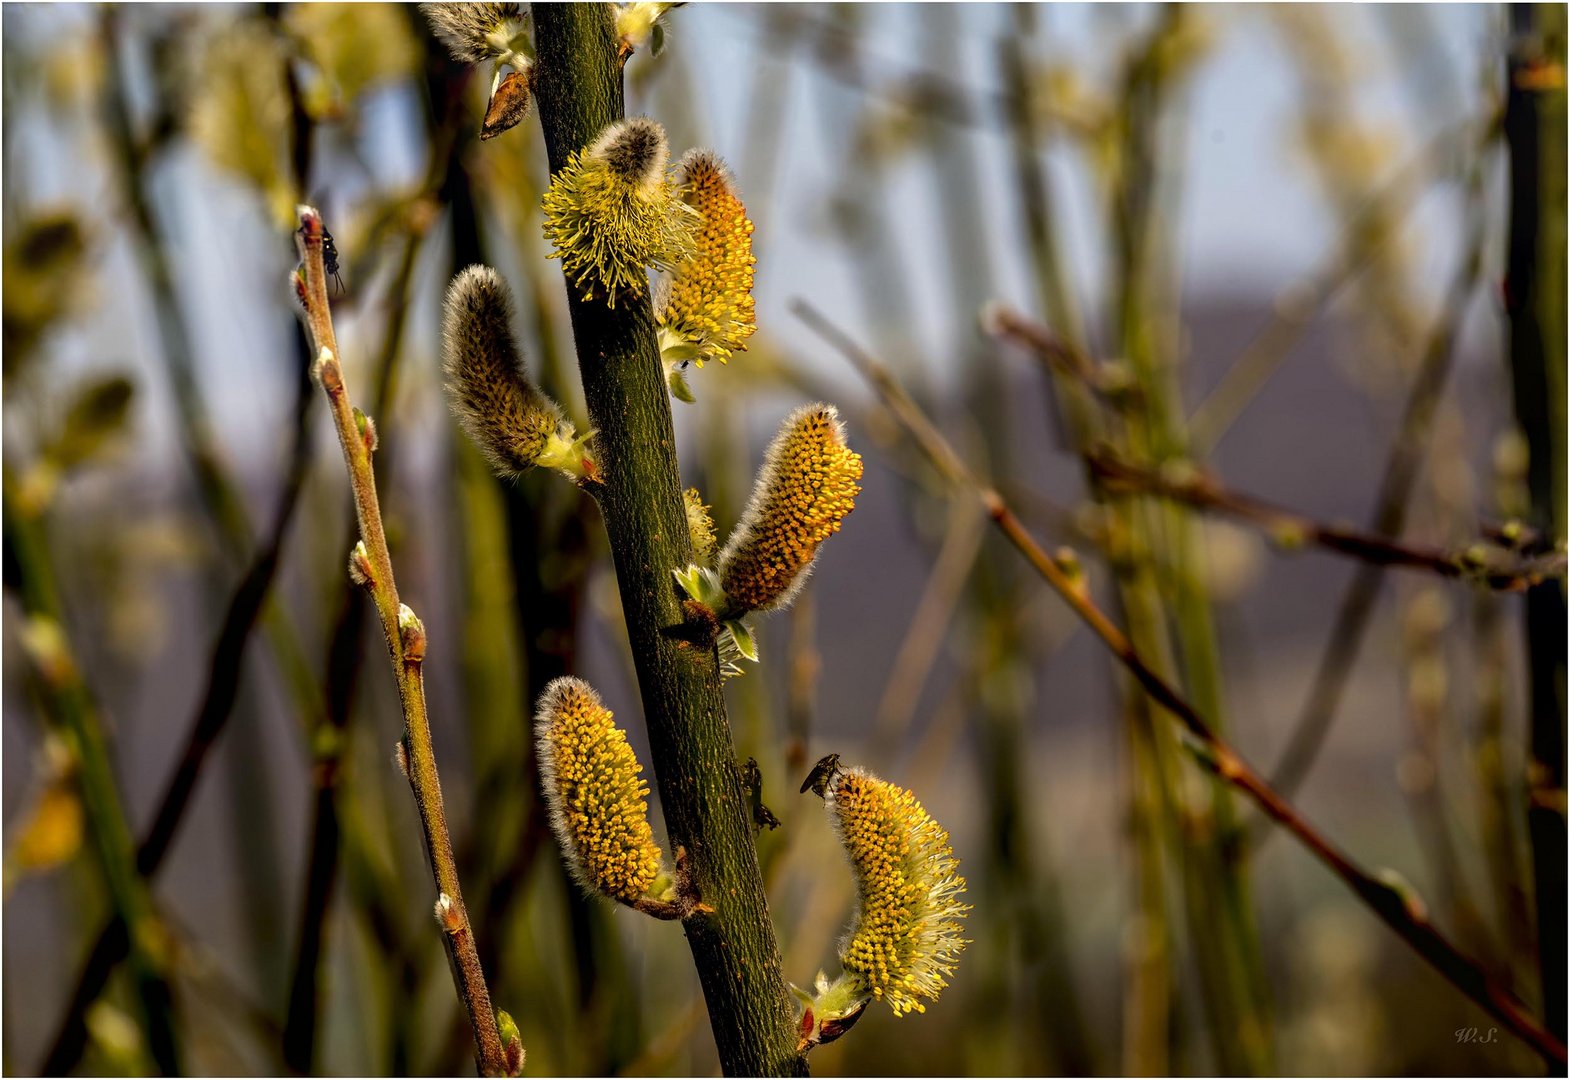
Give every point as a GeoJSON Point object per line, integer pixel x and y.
{"type": "Point", "coordinates": [742, 633]}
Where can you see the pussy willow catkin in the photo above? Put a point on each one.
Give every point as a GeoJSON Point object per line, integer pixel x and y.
{"type": "Point", "coordinates": [808, 483]}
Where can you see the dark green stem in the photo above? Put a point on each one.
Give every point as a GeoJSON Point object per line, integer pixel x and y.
{"type": "Point", "coordinates": [1535, 301]}
{"type": "Point", "coordinates": [579, 92]}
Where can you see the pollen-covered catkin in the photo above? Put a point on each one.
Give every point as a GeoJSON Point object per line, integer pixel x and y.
{"type": "Point", "coordinates": [905, 939]}
{"type": "Point", "coordinates": [593, 787]}
{"type": "Point", "coordinates": [506, 416]}
{"type": "Point", "coordinates": [613, 212]}
{"type": "Point", "coordinates": [807, 485]}
{"type": "Point", "coordinates": [711, 306]}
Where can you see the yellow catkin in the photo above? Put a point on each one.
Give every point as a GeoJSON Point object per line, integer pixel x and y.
{"type": "Point", "coordinates": [614, 212]}
{"type": "Point", "coordinates": [593, 786]}
{"type": "Point", "coordinates": [905, 940]}
{"type": "Point", "coordinates": [700, 525]}
{"type": "Point", "coordinates": [711, 305]}
{"type": "Point", "coordinates": [807, 485]}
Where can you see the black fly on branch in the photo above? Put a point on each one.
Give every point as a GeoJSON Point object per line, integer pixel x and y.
{"type": "Point", "coordinates": [330, 259]}
{"type": "Point", "coordinates": [821, 776]}
{"type": "Point", "coordinates": [752, 781]}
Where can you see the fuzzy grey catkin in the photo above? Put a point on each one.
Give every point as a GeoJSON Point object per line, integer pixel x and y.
{"type": "Point", "coordinates": [634, 149]}
{"type": "Point", "coordinates": [473, 32]}
{"type": "Point", "coordinates": [506, 416]}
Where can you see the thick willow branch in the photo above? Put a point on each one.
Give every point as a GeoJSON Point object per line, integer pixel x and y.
{"type": "Point", "coordinates": [1535, 302]}
{"type": "Point", "coordinates": [1396, 905]}
{"type": "Point", "coordinates": [579, 91]}
{"type": "Point", "coordinates": [406, 646]}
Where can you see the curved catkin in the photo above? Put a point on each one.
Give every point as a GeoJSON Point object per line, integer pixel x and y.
{"type": "Point", "coordinates": [593, 787]}
{"type": "Point", "coordinates": [475, 32]}
{"type": "Point", "coordinates": [613, 212]}
{"type": "Point", "coordinates": [905, 940]}
{"type": "Point", "coordinates": [807, 485]}
{"type": "Point", "coordinates": [508, 419]}
{"type": "Point", "coordinates": [711, 305]}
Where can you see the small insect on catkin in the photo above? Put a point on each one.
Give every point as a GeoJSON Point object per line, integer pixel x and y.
{"type": "Point", "coordinates": [508, 419]}
{"type": "Point", "coordinates": [710, 310]}
{"type": "Point", "coordinates": [905, 940]}
{"type": "Point", "coordinates": [595, 792]}
{"type": "Point", "coordinates": [807, 485]}
{"type": "Point", "coordinates": [613, 212]}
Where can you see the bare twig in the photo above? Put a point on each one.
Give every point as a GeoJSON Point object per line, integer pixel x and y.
{"type": "Point", "coordinates": [1400, 908]}
{"type": "Point", "coordinates": [406, 646]}
{"type": "Point", "coordinates": [1501, 570]}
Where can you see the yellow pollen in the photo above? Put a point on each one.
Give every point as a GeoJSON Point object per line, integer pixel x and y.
{"type": "Point", "coordinates": [597, 799]}
{"type": "Point", "coordinates": [905, 939]}
{"type": "Point", "coordinates": [711, 303]}
{"type": "Point", "coordinates": [808, 483]}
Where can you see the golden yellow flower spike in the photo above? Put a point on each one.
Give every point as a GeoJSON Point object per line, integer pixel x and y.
{"type": "Point", "coordinates": [598, 804]}
{"type": "Point", "coordinates": [904, 942]}
{"type": "Point", "coordinates": [710, 312]}
{"type": "Point", "coordinates": [807, 485]}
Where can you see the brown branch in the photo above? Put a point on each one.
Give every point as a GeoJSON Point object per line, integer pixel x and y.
{"type": "Point", "coordinates": [405, 645]}
{"type": "Point", "coordinates": [1486, 565]}
{"type": "Point", "coordinates": [1395, 903]}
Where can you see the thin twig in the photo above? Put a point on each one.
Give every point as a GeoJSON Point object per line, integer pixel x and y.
{"type": "Point", "coordinates": [406, 646]}
{"type": "Point", "coordinates": [1503, 571]}
{"type": "Point", "coordinates": [343, 667]}
{"type": "Point", "coordinates": [929, 624]}
{"type": "Point", "coordinates": [1400, 908]}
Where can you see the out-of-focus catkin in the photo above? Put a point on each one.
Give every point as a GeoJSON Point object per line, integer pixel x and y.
{"type": "Point", "coordinates": [808, 483]}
